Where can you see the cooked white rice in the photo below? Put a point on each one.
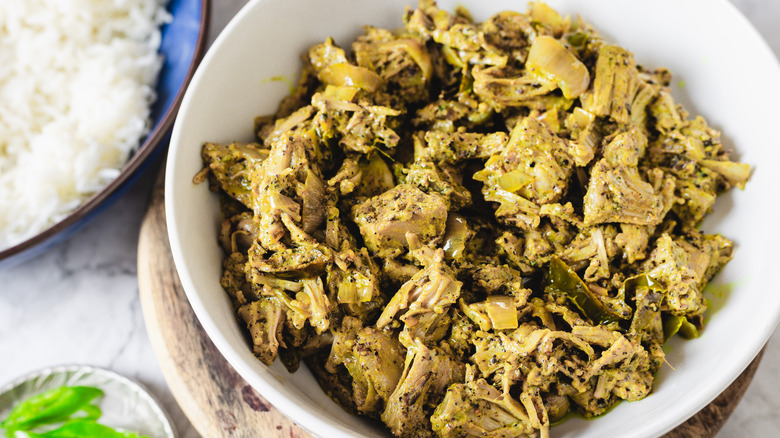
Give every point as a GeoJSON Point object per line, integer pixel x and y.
{"type": "Point", "coordinates": [76, 84]}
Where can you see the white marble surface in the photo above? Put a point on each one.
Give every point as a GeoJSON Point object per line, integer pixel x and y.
{"type": "Point", "coordinates": [78, 303]}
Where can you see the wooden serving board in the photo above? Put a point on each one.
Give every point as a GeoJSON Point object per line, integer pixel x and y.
{"type": "Point", "coordinates": [220, 403]}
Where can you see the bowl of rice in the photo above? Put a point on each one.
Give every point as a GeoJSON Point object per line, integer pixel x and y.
{"type": "Point", "coordinates": [88, 93]}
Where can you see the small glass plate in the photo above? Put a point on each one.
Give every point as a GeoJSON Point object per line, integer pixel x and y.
{"type": "Point", "coordinates": [125, 404]}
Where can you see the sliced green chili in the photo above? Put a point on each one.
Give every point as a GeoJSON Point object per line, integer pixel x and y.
{"type": "Point", "coordinates": [53, 406]}
{"type": "Point", "coordinates": [69, 407]}
{"type": "Point", "coordinates": [82, 429]}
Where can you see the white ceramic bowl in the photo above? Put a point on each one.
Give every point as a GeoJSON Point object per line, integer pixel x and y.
{"type": "Point", "coordinates": [723, 70]}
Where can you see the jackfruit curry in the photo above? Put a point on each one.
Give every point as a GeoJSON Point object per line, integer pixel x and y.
{"type": "Point", "coordinates": [473, 229]}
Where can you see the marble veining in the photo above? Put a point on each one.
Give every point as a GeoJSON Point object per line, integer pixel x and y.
{"type": "Point", "coordinates": [78, 302]}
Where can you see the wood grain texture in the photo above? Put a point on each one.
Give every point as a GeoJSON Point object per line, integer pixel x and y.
{"type": "Point", "coordinates": [218, 402]}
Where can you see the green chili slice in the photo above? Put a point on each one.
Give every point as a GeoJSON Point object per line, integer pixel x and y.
{"type": "Point", "coordinates": [56, 405]}
{"type": "Point", "coordinates": [69, 407]}
{"type": "Point", "coordinates": [84, 428]}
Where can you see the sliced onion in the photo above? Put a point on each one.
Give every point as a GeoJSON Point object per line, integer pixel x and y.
{"type": "Point", "coordinates": [547, 15]}
{"type": "Point", "coordinates": [735, 173]}
{"type": "Point", "coordinates": [355, 289]}
{"type": "Point", "coordinates": [418, 54]}
{"type": "Point", "coordinates": [502, 312]}
{"type": "Point", "coordinates": [549, 60]}
{"type": "Point", "coordinates": [514, 180]}
{"type": "Point", "coordinates": [345, 93]}
{"type": "Point", "coordinates": [349, 75]}
{"type": "Point", "coordinates": [279, 203]}
{"type": "Point", "coordinates": [455, 236]}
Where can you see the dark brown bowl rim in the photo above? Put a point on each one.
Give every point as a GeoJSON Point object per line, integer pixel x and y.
{"type": "Point", "coordinates": [149, 145]}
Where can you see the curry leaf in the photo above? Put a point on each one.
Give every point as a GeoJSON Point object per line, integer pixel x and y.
{"type": "Point", "coordinates": [561, 278]}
